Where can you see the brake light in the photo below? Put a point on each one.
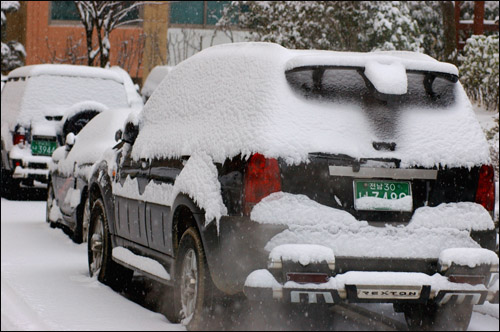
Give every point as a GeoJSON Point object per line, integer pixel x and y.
{"type": "Point", "coordinates": [262, 178]}
{"type": "Point", "coordinates": [485, 194]}
{"type": "Point", "coordinates": [19, 138]}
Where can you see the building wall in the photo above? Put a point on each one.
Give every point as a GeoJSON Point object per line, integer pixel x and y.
{"type": "Point", "coordinates": [50, 42]}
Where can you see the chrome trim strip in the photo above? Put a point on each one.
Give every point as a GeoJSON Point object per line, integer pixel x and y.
{"type": "Point", "coordinates": [389, 173]}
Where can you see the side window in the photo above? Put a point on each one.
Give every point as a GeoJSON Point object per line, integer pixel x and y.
{"type": "Point", "coordinates": [63, 11]}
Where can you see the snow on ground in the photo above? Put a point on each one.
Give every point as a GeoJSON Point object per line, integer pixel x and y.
{"type": "Point", "coordinates": [46, 286]}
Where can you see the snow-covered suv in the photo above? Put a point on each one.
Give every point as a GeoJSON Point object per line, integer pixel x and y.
{"type": "Point", "coordinates": [302, 177]}
{"type": "Point", "coordinates": [35, 100]}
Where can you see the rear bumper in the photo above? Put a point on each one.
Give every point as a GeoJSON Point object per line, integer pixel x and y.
{"type": "Point", "coordinates": [32, 171]}
{"type": "Point", "coordinates": [33, 177]}
{"type": "Point", "coordinates": [368, 287]}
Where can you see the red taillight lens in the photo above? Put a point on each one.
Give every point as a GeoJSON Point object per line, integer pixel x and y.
{"type": "Point", "coordinates": [485, 194]}
{"type": "Point", "coordinates": [18, 138]}
{"type": "Point", "coordinates": [262, 178]}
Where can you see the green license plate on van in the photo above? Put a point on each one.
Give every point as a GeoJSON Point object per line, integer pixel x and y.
{"type": "Point", "coordinates": [389, 195]}
{"type": "Point", "coordinates": [44, 148]}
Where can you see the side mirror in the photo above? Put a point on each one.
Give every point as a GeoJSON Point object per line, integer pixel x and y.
{"type": "Point", "coordinates": [118, 135]}
{"type": "Point", "coordinates": [70, 140]}
{"type": "Point", "coordinates": [130, 133]}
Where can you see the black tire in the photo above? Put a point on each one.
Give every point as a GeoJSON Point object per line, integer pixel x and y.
{"type": "Point", "coordinates": [50, 202]}
{"type": "Point", "coordinates": [99, 251]}
{"type": "Point", "coordinates": [192, 300]}
{"type": "Point", "coordinates": [10, 187]}
{"type": "Point", "coordinates": [431, 317]}
{"type": "Point", "coordinates": [5, 185]}
{"type": "Point", "coordinates": [80, 233]}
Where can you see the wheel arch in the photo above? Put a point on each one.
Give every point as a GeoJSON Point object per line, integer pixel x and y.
{"type": "Point", "coordinates": [186, 213]}
{"type": "Point", "coordinates": [100, 187]}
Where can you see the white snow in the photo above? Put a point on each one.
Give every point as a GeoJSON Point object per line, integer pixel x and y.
{"type": "Point", "coordinates": [83, 106]}
{"type": "Point", "coordinates": [312, 223]}
{"type": "Point", "coordinates": [387, 78]}
{"type": "Point", "coordinates": [144, 263]}
{"type": "Point", "coordinates": [43, 272]}
{"type": "Point", "coordinates": [154, 79]}
{"type": "Point", "coordinates": [461, 215]}
{"type": "Point", "coordinates": [264, 279]}
{"type": "Point", "coordinates": [261, 279]}
{"type": "Point", "coordinates": [159, 193]}
{"type": "Point", "coordinates": [49, 90]}
{"type": "Point", "coordinates": [232, 99]}
{"type": "Point", "coordinates": [470, 257]}
{"type": "Point", "coordinates": [410, 60]}
{"type": "Point", "coordinates": [65, 70]}
{"type": "Point", "coordinates": [55, 212]}
{"type": "Point", "coordinates": [73, 197]}
{"type": "Point", "coordinates": [304, 254]}
{"type": "Point", "coordinates": [46, 283]}
{"type": "Point", "coordinates": [44, 128]}
{"type": "Point", "coordinates": [378, 203]}
{"type": "Point", "coordinates": [199, 180]}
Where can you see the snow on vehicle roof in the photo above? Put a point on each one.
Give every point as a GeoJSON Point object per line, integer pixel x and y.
{"type": "Point", "coordinates": [65, 70]}
{"type": "Point", "coordinates": [234, 99]}
{"type": "Point", "coordinates": [49, 90]}
{"type": "Point", "coordinates": [154, 79]}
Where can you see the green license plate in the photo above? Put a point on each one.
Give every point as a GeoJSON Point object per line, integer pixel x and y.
{"type": "Point", "coordinates": [44, 148]}
{"type": "Point", "coordinates": [381, 195]}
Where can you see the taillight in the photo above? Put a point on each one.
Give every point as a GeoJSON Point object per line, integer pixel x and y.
{"type": "Point", "coordinates": [18, 138]}
{"type": "Point", "coordinates": [485, 194]}
{"type": "Point", "coordinates": [262, 178]}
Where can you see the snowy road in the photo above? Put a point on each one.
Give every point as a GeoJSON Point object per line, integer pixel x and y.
{"type": "Point", "coordinates": [45, 285]}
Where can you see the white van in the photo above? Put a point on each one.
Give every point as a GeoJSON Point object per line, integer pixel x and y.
{"type": "Point", "coordinates": [34, 101]}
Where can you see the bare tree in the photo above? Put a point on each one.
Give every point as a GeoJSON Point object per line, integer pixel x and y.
{"type": "Point", "coordinates": [73, 53]}
{"type": "Point", "coordinates": [104, 17]}
{"type": "Point", "coordinates": [130, 51]}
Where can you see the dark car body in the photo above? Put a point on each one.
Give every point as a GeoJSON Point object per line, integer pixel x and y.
{"type": "Point", "coordinates": [227, 185]}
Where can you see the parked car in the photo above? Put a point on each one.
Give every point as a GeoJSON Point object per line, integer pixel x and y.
{"type": "Point", "coordinates": [302, 177]}
{"type": "Point", "coordinates": [67, 197]}
{"type": "Point", "coordinates": [34, 101]}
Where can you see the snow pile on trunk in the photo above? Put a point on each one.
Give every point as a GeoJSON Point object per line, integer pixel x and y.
{"type": "Point", "coordinates": [312, 223]}
{"type": "Point", "coordinates": [462, 215]}
{"type": "Point", "coordinates": [379, 203]}
{"type": "Point", "coordinates": [304, 254]}
{"type": "Point", "coordinates": [468, 257]}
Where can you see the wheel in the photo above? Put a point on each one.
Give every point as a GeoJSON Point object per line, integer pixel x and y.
{"type": "Point", "coordinates": [80, 234]}
{"type": "Point", "coordinates": [99, 251]}
{"type": "Point", "coordinates": [448, 317]}
{"type": "Point", "coordinates": [50, 204]}
{"type": "Point", "coordinates": [193, 284]}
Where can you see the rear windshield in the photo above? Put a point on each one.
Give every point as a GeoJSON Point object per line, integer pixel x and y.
{"type": "Point", "coordinates": [348, 85]}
